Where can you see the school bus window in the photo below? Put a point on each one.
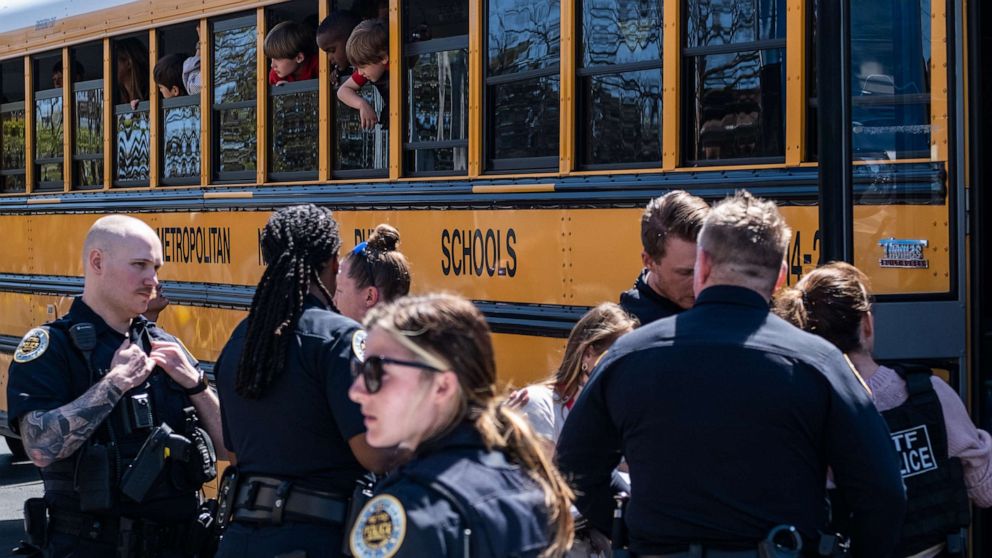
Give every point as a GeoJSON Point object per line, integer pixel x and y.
{"type": "Point", "coordinates": [235, 138]}
{"type": "Point", "coordinates": [890, 80]}
{"type": "Point", "coordinates": [362, 151]}
{"type": "Point", "coordinates": [734, 72]}
{"type": "Point", "coordinates": [619, 82]}
{"type": "Point", "coordinates": [49, 146]}
{"type": "Point", "coordinates": [131, 112]}
{"type": "Point", "coordinates": [86, 75]}
{"type": "Point", "coordinates": [436, 52]}
{"type": "Point", "coordinates": [176, 76]}
{"type": "Point", "coordinates": [522, 85]}
{"type": "Point", "coordinates": [291, 48]}
{"type": "Point", "coordinates": [12, 119]}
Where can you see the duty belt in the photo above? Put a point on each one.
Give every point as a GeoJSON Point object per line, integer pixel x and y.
{"type": "Point", "coordinates": [272, 500]}
{"type": "Point", "coordinates": [705, 553]}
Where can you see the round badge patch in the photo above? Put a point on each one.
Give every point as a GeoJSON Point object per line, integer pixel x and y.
{"type": "Point", "coordinates": [379, 529]}
{"type": "Point", "coordinates": [32, 346]}
{"type": "Point", "coordinates": [358, 344]}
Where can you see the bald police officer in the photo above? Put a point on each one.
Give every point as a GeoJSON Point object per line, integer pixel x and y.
{"type": "Point", "coordinates": [84, 399]}
{"type": "Point", "coordinates": [729, 417]}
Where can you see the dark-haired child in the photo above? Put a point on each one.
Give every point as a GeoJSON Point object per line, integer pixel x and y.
{"type": "Point", "coordinates": [292, 48]}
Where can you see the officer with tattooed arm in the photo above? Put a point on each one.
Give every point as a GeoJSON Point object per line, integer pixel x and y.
{"type": "Point", "coordinates": [91, 393]}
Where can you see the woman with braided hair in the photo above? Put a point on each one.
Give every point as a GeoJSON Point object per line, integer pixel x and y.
{"type": "Point", "coordinates": [283, 382]}
{"type": "Point", "coordinates": [479, 483]}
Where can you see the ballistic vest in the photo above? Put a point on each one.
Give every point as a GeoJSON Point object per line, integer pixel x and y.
{"type": "Point", "coordinates": [937, 498]}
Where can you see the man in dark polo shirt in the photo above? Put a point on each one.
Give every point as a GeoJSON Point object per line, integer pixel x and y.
{"type": "Point", "coordinates": [729, 417]}
{"type": "Point", "coordinates": [669, 227]}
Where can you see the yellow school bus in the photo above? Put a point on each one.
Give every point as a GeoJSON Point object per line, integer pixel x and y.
{"type": "Point", "coordinates": [516, 145]}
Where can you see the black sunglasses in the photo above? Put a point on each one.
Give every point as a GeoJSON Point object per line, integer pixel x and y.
{"type": "Point", "coordinates": [371, 370]}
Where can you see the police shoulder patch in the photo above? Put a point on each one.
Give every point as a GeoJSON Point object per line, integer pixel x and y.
{"type": "Point", "coordinates": [358, 344]}
{"type": "Point", "coordinates": [380, 528]}
{"type": "Point", "coordinates": [32, 346]}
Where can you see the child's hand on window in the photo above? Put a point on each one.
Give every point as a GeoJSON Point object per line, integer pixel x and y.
{"type": "Point", "coordinates": [367, 116]}
{"type": "Point", "coordinates": [134, 104]}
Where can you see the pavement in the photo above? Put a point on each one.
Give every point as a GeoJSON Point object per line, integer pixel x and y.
{"type": "Point", "coordinates": [18, 482]}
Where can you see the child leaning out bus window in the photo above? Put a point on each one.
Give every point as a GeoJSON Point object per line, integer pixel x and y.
{"type": "Point", "coordinates": [293, 50]}
{"type": "Point", "coordinates": [368, 52]}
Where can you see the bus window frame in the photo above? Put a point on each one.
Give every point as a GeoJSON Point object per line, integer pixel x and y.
{"type": "Point", "coordinates": [219, 176]}
{"type": "Point", "coordinates": [48, 186]}
{"type": "Point", "coordinates": [409, 148]}
{"type": "Point", "coordinates": [125, 108]}
{"type": "Point", "coordinates": [306, 86]}
{"type": "Point", "coordinates": [77, 87]}
{"type": "Point", "coordinates": [688, 98]}
{"type": "Point", "coordinates": [6, 108]}
{"type": "Point", "coordinates": [514, 165]}
{"type": "Point", "coordinates": [164, 105]}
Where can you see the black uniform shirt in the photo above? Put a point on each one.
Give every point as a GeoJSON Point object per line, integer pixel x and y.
{"type": "Point", "coordinates": [643, 302]}
{"type": "Point", "coordinates": [728, 418]}
{"type": "Point", "coordinates": [451, 485]}
{"type": "Point", "coordinates": [299, 428]}
{"type": "Point", "coordinates": [58, 375]}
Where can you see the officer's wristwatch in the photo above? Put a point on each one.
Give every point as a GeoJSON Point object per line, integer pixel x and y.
{"type": "Point", "coordinates": [200, 386]}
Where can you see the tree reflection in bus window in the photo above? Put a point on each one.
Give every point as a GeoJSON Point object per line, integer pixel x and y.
{"type": "Point", "coordinates": [620, 82]}
{"type": "Point", "coordinates": [734, 71]}
{"type": "Point", "coordinates": [88, 133]}
{"type": "Point", "coordinates": [12, 150]}
{"type": "Point", "coordinates": [48, 137]}
{"type": "Point", "coordinates": [356, 148]}
{"type": "Point", "coordinates": [132, 145]}
{"type": "Point", "coordinates": [181, 142]}
{"type": "Point", "coordinates": [438, 111]}
{"type": "Point", "coordinates": [436, 48]}
{"type": "Point", "coordinates": [523, 83]}
{"type": "Point", "coordinates": [890, 80]}
{"type": "Point", "coordinates": [294, 132]}
{"type": "Point", "coordinates": [234, 99]}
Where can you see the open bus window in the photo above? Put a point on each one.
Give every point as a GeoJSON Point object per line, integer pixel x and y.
{"type": "Point", "coordinates": [522, 85]}
{"type": "Point", "coordinates": [360, 152]}
{"type": "Point", "coordinates": [293, 130]}
{"type": "Point", "coordinates": [619, 83]}
{"type": "Point", "coordinates": [86, 67]}
{"type": "Point", "coordinates": [179, 56]}
{"type": "Point", "coordinates": [734, 75]}
{"type": "Point", "coordinates": [435, 49]}
{"type": "Point", "coordinates": [48, 129]}
{"type": "Point", "coordinates": [234, 68]}
{"type": "Point", "coordinates": [12, 119]}
{"type": "Point", "coordinates": [890, 80]}
{"type": "Point", "coordinates": [132, 147]}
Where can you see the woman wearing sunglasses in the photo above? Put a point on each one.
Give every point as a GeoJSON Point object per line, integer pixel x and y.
{"type": "Point", "coordinates": [479, 483]}
{"type": "Point", "coordinates": [374, 272]}
{"type": "Point", "coordinates": [283, 381]}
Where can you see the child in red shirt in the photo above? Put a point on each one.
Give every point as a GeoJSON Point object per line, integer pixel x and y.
{"type": "Point", "coordinates": [293, 51]}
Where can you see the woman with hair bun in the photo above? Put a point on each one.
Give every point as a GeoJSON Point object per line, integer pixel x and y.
{"type": "Point", "coordinates": [945, 459]}
{"type": "Point", "coordinates": [479, 483]}
{"type": "Point", "coordinates": [375, 271]}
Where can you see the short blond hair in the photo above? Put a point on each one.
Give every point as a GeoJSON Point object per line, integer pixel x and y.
{"type": "Point", "coordinates": [747, 237]}
{"type": "Point", "coordinates": [368, 43]}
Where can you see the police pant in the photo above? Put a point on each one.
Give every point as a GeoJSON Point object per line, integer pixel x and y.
{"type": "Point", "coordinates": [292, 538]}
{"type": "Point", "coordinates": [62, 545]}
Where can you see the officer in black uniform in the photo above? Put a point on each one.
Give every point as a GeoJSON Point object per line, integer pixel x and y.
{"type": "Point", "coordinates": [88, 391]}
{"type": "Point", "coordinates": [729, 417]}
{"type": "Point", "coordinates": [669, 227]}
{"type": "Point", "coordinates": [478, 484]}
{"type": "Point", "coordinates": [283, 380]}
